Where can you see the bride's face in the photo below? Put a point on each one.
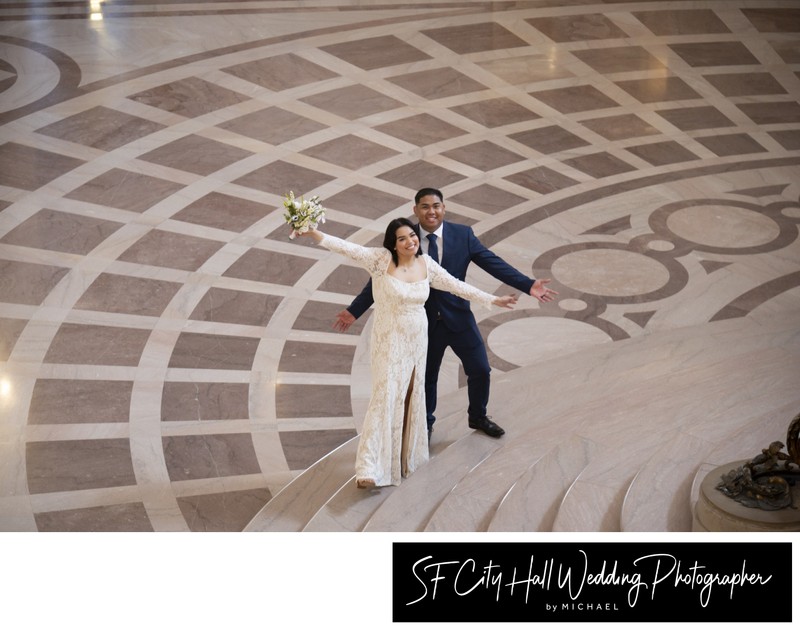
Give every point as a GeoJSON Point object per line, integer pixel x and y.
{"type": "Point", "coordinates": [407, 242]}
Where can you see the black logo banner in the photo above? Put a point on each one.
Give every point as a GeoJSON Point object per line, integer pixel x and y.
{"type": "Point", "coordinates": [588, 582]}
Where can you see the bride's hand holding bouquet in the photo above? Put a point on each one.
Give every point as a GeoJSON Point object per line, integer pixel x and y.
{"type": "Point", "coordinates": [303, 215]}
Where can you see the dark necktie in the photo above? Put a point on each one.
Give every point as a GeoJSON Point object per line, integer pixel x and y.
{"type": "Point", "coordinates": [433, 248]}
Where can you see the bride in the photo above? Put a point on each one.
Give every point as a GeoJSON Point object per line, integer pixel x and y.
{"type": "Point", "coordinates": [394, 439]}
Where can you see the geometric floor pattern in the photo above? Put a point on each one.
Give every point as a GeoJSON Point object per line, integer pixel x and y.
{"type": "Point", "coordinates": [167, 361]}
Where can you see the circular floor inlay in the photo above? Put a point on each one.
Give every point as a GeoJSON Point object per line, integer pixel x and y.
{"type": "Point", "coordinates": [723, 226]}
{"type": "Point", "coordinates": [528, 341]}
{"type": "Point", "coordinates": [661, 246]}
{"type": "Point", "coordinates": [41, 76]}
{"type": "Point", "coordinates": [610, 272]}
{"type": "Point", "coordinates": [572, 305]}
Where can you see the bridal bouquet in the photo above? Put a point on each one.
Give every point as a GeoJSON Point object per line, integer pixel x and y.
{"type": "Point", "coordinates": [301, 214]}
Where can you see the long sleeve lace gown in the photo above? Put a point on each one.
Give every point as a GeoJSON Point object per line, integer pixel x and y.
{"type": "Point", "coordinates": [394, 438]}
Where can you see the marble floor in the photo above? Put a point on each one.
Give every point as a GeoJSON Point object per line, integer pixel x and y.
{"type": "Point", "coordinates": [167, 361]}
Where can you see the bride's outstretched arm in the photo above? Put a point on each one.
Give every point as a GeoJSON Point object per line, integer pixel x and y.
{"type": "Point", "coordinates": [373, 259]}
{"type": "Point", "coordinates": [442, 280]}
{"type": "Point", "coordinates": [316, 235]}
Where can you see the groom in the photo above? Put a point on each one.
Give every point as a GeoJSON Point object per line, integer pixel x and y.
{"type": "Point", "coordinates": [450, 320]}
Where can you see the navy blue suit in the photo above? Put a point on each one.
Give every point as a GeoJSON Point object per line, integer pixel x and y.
{"type": "Point", "coordinates": [450, 320]}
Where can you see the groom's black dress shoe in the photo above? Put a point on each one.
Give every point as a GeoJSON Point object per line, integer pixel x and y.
{"type": "Point", "coordinates": [487, 426]}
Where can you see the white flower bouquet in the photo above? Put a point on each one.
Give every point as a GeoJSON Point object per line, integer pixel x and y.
{"type": "Point", "coordinates": [302, 214]}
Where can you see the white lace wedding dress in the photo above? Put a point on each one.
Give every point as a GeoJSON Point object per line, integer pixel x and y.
{"type": "Point", "coordinates": [394, 439]}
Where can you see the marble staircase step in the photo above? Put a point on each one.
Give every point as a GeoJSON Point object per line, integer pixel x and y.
{"type": "Point", "coordinates": [594, 500]}
{"type": "Point", "coordinates": [637, 428]}
{"type": "Point", "coordinates": [349, 509]}
{"type": "Point", "coordinates": [769, 425]}
{"type": "Point", "coordinates": [298, 501]}
{"type": "Point", "coordinates": [325, 498]}
{"type": "Point", "coordinates": [457, 497]}
{"type": "Point", "coordinates": [762, 429]}
{"type": "Point", "coordinates": [671, 471]}
{"type": "Point", "coordinates": [532, 503]}
{"type": "Point", "coordinates": [658, 497]}
{"type": "Point", "coordinates": [647, 398]}
{"type": "Point", "coordinates": [461, 506]}
{"type": "Point", "coordinates": [413, 502]}
{"type": "Point", "coordinates": [468, 506]}
{"type": "Point", "coordinates": [472, 503]}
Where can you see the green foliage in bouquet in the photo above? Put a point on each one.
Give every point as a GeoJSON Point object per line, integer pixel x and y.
{"type": "Point", "coordinates": [302, 214]}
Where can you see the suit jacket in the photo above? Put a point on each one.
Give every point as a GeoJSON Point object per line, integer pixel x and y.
{"type": "Point", "coordinates": [461, 247]}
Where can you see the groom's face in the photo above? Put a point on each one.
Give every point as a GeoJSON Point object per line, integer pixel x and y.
{"type": "Point", "coordinates": [429, 212]}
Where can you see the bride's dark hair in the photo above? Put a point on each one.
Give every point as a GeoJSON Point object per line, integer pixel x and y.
{"type": "Point", "coordinates": [390, 238]}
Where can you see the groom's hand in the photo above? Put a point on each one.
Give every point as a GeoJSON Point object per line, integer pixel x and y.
{"type": "Point", "coordinates": [344, 319]}
{"type": "Point", "coordinates": [541, 292]}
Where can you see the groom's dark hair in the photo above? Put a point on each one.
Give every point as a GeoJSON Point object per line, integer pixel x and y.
{"type": "Point", "coordinates": [424, 192]}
